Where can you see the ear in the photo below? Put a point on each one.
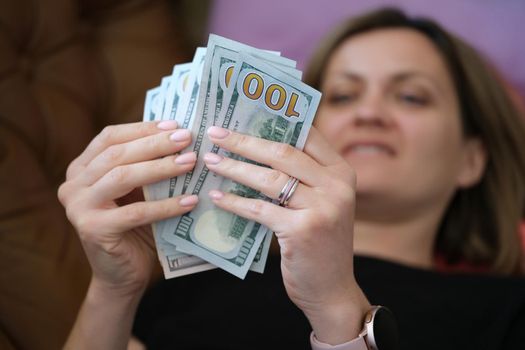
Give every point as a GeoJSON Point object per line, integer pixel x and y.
{"type": "Point", "coordinates": [473, 163]}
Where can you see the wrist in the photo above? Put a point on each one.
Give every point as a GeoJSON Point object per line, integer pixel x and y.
{"type": "Point", "coordinates": [100, 292]}
{"type": "Point", "coordinates": [339, 322]}
{"type": "Point", "coordinates": [105, 319]}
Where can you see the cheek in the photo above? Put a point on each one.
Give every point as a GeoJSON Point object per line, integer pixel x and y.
{"type": "Point", "coordinates": [330, 126]}
{"type": "Point", "coordinates": [436, 149]}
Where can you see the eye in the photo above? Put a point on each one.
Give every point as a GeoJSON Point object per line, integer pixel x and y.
{"type": "Point", "coordinates": [413, 99]}
{"type": "Point", "coordinates": [340, 98]}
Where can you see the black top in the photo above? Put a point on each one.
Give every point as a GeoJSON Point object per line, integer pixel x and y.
{"type": "Point", "coordinates": [215, 310]}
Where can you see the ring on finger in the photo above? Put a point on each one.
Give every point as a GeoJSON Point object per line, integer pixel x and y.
{"type": "Point", "coordinates": [288, 191]}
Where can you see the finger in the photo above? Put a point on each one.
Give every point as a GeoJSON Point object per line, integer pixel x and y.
{"type": "Point", "coordinates": [279, 156]}
{"type": "Point", "coordinates": [121, 180]}
{"type": "Point", "coordinates": [268, 181]}
{"type": "Point", "coordinates": [124, 218]}
{"type": "Point", "coordinates": [266, 213]}
{"type": "Point", "coordinates": [139, 150]}
{"type": "Point", "coordinates": [320, 150]}
{"type": "Point", "coordinates": [117, 134]}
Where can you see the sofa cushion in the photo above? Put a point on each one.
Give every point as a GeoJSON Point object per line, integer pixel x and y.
{"type": "Point", "coordinates": [67, 68]}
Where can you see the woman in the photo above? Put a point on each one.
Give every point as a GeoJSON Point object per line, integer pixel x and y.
{"type": "Point", "coordinates": [437, 149]}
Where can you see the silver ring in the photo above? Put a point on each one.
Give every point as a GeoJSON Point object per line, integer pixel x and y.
{"type": "Point", "coordinates": [288, 191]}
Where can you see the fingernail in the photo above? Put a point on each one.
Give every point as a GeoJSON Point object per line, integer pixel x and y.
{"type": "Point", "coordinates": [167, 125]}
{"type": "Point", "coordinates": [189, 200]}
{"type": "Point", "coordinates": [215, 194]}
{"type": "Point", "coordinates": [212, 158]}
{"type": "Point", "coordinates": [186, 158]}
{"type": "Point", "coordinates": [180, 135]}
{"type": "Point", "coordinates": [218, 133]}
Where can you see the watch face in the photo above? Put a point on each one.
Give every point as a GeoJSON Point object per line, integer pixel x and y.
{"type": "Point", "coordinates": [384, 332]}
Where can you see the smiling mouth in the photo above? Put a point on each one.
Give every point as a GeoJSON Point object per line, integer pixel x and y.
{"type": "Point", "coordinates": [369, 149]}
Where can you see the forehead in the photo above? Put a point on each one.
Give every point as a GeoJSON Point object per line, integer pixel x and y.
{"type": "Point", "coordinates": [385, 52]}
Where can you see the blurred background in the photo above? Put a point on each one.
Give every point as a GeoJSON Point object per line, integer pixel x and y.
{"type": "Point", "coordinates": [295, 27]}
{"type": "Point", "coordinates": [70, 67]}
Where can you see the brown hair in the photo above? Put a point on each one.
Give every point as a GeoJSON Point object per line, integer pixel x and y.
{"type": "Point", "coordinates": [480, 226]}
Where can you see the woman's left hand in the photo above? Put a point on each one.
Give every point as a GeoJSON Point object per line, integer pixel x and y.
{"type": "Point", "coordinates": [315, 229]}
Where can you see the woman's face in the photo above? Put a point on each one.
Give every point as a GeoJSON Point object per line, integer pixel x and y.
{"type": "Point", "coordinates": [389, 107]}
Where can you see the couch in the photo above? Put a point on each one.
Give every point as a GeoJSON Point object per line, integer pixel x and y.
{"type": "Point", "coordinates": [67, 68]}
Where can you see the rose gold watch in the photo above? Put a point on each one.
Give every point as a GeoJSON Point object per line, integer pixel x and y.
{"type": "Point", "coordinates": [379, 333]}
{"type": "Point", "coordinates": [380, 329]}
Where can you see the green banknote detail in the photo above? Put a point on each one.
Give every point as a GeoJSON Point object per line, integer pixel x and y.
{"type": "Point", "coordinates": [285, 115]}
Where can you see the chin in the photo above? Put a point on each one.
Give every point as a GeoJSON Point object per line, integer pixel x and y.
{"type": "Point", "coordinates": [377, 183]}
{"type": "Point", "coordinates": [373, 178]}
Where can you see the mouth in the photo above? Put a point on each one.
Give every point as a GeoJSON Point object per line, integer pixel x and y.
{"type": "Point", "coordinates": [369, 149]}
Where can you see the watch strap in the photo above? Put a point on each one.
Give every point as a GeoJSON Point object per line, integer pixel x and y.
{"type": "Point", "coordinates": [358, 343]}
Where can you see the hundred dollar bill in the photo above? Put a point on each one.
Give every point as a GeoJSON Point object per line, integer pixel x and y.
{"type": "Point", "coordinates": [208, 91]}
{"type": "Point", "coordinates": [265, 102]}
{"type": "Point", "coordinates": [151, 99]}
{"type": "Point", "coordinates": [154, 190]}
{"type": "Point", "coordinates": [178, 83]}
{"type": "Point", "coordinates": [223, 62]}
{"type": "Point", "coordinates": [186, 112]}
{"type": "Point", "coordinates": [177, 87]}
{"type": "Point", "coordinates": [173, 262]}
{"type": "Point", "coordinates": [259, 262]}
{"type": "Point", "coordinates": [223, 59]}
{"type": "Point", "coordinates": [150, 107]}
{"type": "Point", "coordinates": [159, 105]}
{"type": "Point", "coordinates": [153, 110]}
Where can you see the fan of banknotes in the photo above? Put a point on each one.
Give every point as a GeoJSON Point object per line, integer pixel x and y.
{"type": "Point", "coordinates": [241, 88]}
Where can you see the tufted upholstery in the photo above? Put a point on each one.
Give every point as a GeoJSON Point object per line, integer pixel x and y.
{"type": "Point", "coordinates": [67, 68]}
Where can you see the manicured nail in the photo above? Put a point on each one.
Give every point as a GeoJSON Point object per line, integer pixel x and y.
{"type": "Point", "coordinates": [212, 158]}
{"type": "Point", "coordinates": [186, 158]}
{"type": "Point", "coordinates": [215, 194]}
{"type": "Point", "coordinates": [218, 133]}
{"type": "Point", "coordinates": [189, 201]}
{"type": "Point", "coordinates": [167, 125]}
{"type": "Point", "coordinates": [180, 135]}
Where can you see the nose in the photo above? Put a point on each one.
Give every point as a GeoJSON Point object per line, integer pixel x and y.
{"type": "Point", "coordinates": [370, 111]}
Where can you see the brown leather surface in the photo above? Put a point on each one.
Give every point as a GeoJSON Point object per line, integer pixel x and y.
{"type": "Point", "coordinates": [67, 68]}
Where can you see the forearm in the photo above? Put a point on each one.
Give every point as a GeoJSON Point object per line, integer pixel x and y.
{"type": "Point", "coordinates": [105, 320]}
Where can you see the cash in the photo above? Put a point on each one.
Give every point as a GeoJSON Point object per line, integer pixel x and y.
{"type": "Point", "coordinates": [241, 88]}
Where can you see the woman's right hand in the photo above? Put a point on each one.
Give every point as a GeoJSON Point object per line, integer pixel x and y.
{"type": "Point", "coordinates": [103, 198]}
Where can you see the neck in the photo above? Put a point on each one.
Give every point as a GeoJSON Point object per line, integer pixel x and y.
{"type": "Point", "coordinates": [408, 241]}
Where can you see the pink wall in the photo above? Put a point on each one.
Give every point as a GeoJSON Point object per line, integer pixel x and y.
{"type": "Point", "coordinates": [294, 27]}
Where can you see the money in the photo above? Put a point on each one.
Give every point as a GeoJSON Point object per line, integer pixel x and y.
{"type": "Point", "coordinates": [241, 88]}
{"type": "Point", "coordinates": [151, 100]}
{"type": "Point", "coordinates": [177, 88]}
{"type": "Point", "coordinates": [208, 88]}
{"type": "Point", "coordinates": [174, 263]}
{"type": "Point", "coordinates": [229, 50]}
{"type": "Point", "coordinates": [264, 102]}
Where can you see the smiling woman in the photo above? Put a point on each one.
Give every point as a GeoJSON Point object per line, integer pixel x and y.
{"type": "Point", "coordinates": [408, 90]}
{"type": "Point", "coordinates": [417, 154]}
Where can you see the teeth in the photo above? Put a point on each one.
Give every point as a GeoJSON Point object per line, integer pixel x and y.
{"type": "Point", "coordinates": [369, 149]}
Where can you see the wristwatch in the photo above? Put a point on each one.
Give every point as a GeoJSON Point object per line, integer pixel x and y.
{"type": "Point", "coordinates": [380, 329]}
{"type": "Point", "coordinates": [379, 333]}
